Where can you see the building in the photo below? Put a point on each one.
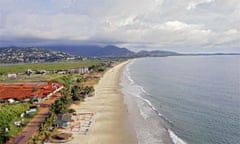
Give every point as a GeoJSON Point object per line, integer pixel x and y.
{"type": "Point", "coordinates": [12, 76]}
{"type": "Point", "coordinates": [62, 120]}
{"type": "Point", "coordinates": [28, 91]}
{"type": "Point", "coordinates": [78, 71]}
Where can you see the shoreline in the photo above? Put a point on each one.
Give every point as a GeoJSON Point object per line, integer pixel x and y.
{"type": "Point", "coordinates": [142, 113]}
{"type": "Point", "coordinates": [110, 120]}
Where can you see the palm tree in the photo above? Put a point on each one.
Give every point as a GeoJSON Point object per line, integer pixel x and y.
{"type": "Point", "coordinates": [59, 106]}
{"type": "Point", "coordinates": [88, 89]}
{"type": "Point", "coordinates": [75, 93]}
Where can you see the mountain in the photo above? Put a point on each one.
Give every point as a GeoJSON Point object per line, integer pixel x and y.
{"type": "Point", "coordinates": [107, 51]}
{"type": "Point", "coordinates": [156, 53]}
{"type": "Point", "coordinates": [65, 52]}
{"type": "Point", "coordinates": [31, 55]}
{"type": "Point", "coordinates": [93, 50]}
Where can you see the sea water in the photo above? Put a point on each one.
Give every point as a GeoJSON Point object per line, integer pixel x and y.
{"type": "Point", "coordinates": [190, 99]}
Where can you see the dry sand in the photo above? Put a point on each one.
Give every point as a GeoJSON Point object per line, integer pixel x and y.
{"type": "Point", "coordinates": [109, 124]}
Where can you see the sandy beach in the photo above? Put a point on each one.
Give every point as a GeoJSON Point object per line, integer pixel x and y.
{"type": "Point", "coordinates": [103, 118]}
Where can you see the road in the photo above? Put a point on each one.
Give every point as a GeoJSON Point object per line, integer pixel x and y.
{"type": "Point", "coordinates": [25, 135]}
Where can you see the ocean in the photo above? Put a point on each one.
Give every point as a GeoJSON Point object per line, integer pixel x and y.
{"type": "Point", "coordinates": [187, 99]}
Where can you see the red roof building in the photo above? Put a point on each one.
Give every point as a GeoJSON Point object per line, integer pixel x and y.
{"type": "Point", "coordinates": [23, 91]}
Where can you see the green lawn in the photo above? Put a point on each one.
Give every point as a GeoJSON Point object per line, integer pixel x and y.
{"type": "Point", "coordinates": [9, 114]}
{"type": "Point", "coordinates": [20, 68]}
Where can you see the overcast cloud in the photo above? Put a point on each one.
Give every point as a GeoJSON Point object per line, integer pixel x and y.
{"type": "Point", "coordinates": [181, 25]}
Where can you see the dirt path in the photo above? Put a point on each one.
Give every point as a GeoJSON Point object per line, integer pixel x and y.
{"type": "Point", "coordinates": [25, 135]}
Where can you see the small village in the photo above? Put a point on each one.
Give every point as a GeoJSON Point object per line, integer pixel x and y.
{"type": "Point", "coordinates": [31, 55]}
{"type": "Point", "coordinates": [43, 112]}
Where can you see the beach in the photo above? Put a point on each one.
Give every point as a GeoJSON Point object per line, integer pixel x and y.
{"type": "Point", "coordinates": [174, 101]}
{"type": "Point", "coordinates": [103, 118]}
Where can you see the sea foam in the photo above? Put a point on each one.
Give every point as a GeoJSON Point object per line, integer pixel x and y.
{"type": "Point", "coordinates": [140, 93]}
{"type": "Point", "coordinates": [175, 138]}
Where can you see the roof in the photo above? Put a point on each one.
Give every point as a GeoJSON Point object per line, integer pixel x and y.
{"type": "Point", "coordinates": [23, 91]}
{"type": "Point", "coordinates": [63, 118]}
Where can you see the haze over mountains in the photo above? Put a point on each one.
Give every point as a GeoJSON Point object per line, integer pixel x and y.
{"type": "Point", "coordinates": [97, 51]}
{"type": "Point", "coordinates": [107, 51]}
{"type": "Point", "coordinates": [92, 50]}
{"type": "Point", "coordinates": [66, 52]}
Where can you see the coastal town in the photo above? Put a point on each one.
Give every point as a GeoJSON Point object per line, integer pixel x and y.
{"type": "Point", "coordinates": [42, 106]}
{"type": "Point", "coordinates": [31, 55]}
{"type": "Point", "coordinates": [119, 72]}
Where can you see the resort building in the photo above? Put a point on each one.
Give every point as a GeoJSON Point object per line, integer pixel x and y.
{"type": "Point", "coordinates": [78, 71]}
{"type": "Point", "coordinates": [23, 92]}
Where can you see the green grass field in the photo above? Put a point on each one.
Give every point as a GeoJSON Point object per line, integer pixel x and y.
{"type": "Point", "coordinates": [55, 66]}
{"type": "Point", "coordinates": [9, 114]}
{"type": "Point", "coordinates": [20, 68]}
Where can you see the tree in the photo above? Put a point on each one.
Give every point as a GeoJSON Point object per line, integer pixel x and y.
{"type": "Point", "coordinates": [4, 135]}
{"type": "Point", "coordinates": [66, 96]}
{"type": "Point", "coordinates": [59, 106]}
{"type": "Point", "coordinates": [88, 89]}
{"type": "Point", "coordinates": [75, 93]}
{"type": "Point", "coordinates": [71, 110]}
{"type": "Point", "coordinates": [8, 114]}
{"type": "Point", "coordinates": [28, 72]}
{"type": "Point", "coordinates": [81, 79]}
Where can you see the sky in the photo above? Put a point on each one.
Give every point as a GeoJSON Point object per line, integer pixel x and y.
{"type": "Point", "coordinates": [178, 25]}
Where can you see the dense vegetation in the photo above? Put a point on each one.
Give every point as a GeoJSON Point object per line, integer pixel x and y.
{"type": "Point", "coordinates": [74, 91]}
{"type": "Point", "coordinates": [9, 113]}
{"type": "Point", "coordinates": [45, 129]}
{"type": "Point", "coordinates": [70, 94]}
{"type": "Point", "coordinates": [21, 68]}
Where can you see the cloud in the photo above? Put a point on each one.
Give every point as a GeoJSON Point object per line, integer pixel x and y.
{"type": "Point", "coordinates": [135, 23]}
{"type": "Point", "coordinates": [193, 5]}
{"type": "Point", "coordinates": [48, 26]}
{"type": "Point", "coordinates": [177, 32]}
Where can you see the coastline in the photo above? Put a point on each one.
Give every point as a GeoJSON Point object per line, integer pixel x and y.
{"type": "Point", "coordinates": [147, 122]}
{"type": "Point", "coordinates": [110, 120]}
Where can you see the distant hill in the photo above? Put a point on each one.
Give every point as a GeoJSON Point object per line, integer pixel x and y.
{"type": "Point", "coordinates": [30, 55]}
{"type": "Point", "coordinates": [64, 52]}
{"type": "Point", "coordinates": [107, 51]}
{"type": "Point", "coordinates": [93, 50]}
{"type": "Point", "coordinates": [156, 53]}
